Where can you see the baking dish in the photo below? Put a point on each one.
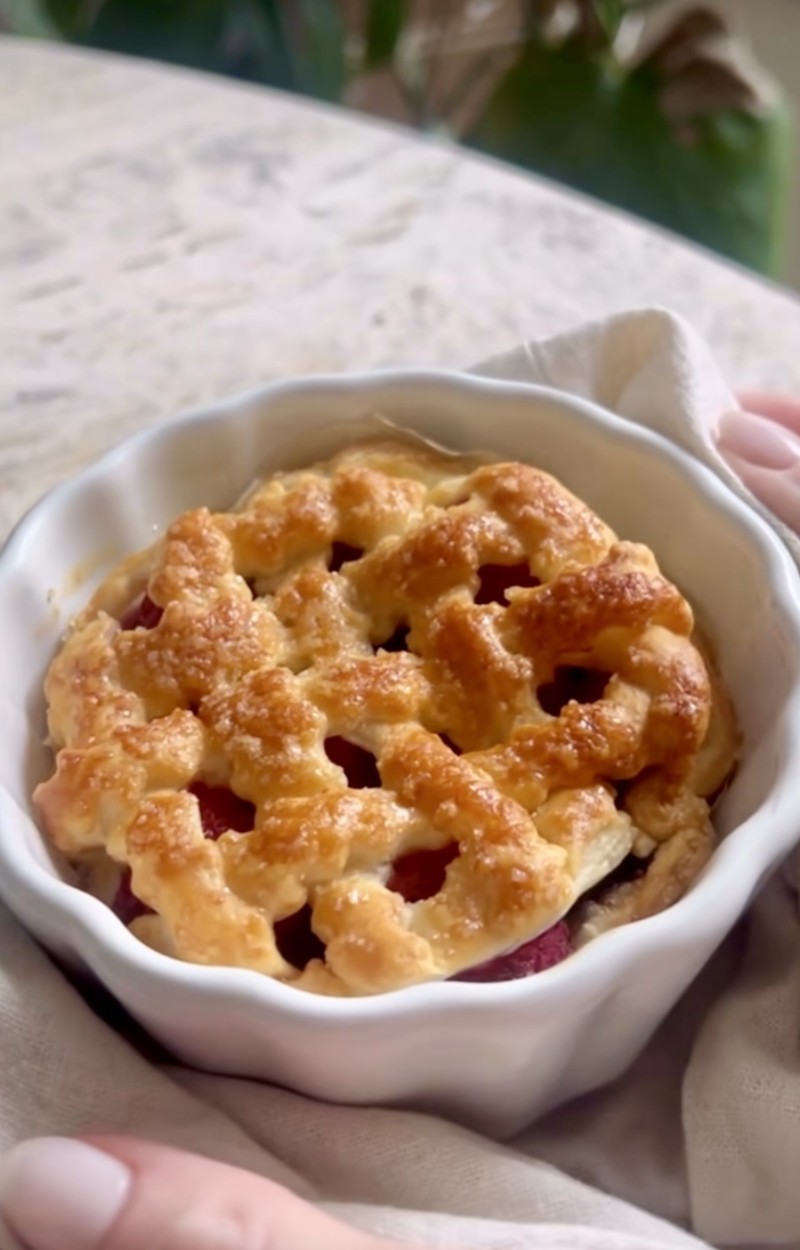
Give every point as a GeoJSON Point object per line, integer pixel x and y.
{"type": "Point", "coordinates": [491, 1055]}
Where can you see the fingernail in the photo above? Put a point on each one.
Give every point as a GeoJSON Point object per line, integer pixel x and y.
{"type": "Point", "coordinates": [58, 1194]}
{"type": "Point", "coordinates": [758, 441]}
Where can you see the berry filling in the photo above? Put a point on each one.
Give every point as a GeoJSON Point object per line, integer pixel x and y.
{"type": "Point", "coordinates": [143, 614]}
{"type": "Point", "coordinates": [542, 952]}
{"type": "Point", "coordinates": [126, 905]}
{"type": "Point", "coordinates": [421, 874]}
{"type": "Point", "coordinates": [343, 553]}
{"type": "Point", "coordinates": [296, 940]}
{"type": "Point", "coordinates": [359, 765]}
{"type": "Point", "coordinates": [497, 579]}
{"type": "Point", "coordinates": [221, 810]}
{"type": "Point", "coordinates": [572, 685]}
{"type": "Point", "coordinates": [398, 641]}
{"type": "Point", "coordinates": [451, 746]}
{"type": "Point", "coordinates": [631, 869]}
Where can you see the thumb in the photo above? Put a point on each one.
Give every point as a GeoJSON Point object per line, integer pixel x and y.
{"type": "Point", "coordinates": [118, 1193]}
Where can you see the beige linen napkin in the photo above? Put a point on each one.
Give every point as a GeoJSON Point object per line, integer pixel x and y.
{"type": "Point", "coordinates": [704, 1131]}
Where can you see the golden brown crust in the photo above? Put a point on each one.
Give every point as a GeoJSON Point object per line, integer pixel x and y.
{"type": "Point", "coordinates": [279, 633]}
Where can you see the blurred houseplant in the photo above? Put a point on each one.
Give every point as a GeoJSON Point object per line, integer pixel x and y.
{"type": "Point", "coordinates": [686, 130]}
{"type": "Point", "coordinates": [679, 125]}
{"type": "Point", "coordinates": [294, 44]}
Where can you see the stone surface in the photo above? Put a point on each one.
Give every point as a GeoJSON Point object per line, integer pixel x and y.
{"type": "Point", "coordinates": [168, 238]}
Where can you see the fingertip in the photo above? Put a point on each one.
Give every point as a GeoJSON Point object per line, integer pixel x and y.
{"type": "Point", "coordinates": [60, 1194]}
{"type": "Point", "coordinates": [758, 441]}
{"type": "Point", "coordinates": [782, 409]}
{"type": "Point", "coordinates": [778, 491]}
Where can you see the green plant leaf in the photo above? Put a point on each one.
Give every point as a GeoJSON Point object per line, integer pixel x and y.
{"type": "Point", "coordinates": [548, 107]}
{"type": "Point", "coordinates": [384, 26]}
{"type": "Point", "coordinates": [26, 17]}
{"type": "Point", "coordinates": [721, 180]}
{"type": "Point", "coordinates": [254, 44]}
{"type": "Point", "coordinates": [609, 14]}
{"type": "Point", "coordinates": [241, 38]}
{"type": "Point", "coordinates": [189, 32]}
{"type": "Point", "coordinates": [70, 17]}
{"type": "Point", "coordinates": [314, 31]}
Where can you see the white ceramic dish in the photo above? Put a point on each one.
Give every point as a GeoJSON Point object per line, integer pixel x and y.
{"type": "Point", "coordinates": [491, 1055]}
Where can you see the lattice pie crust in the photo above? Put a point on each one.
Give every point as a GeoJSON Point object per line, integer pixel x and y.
{"type": "Point", "coordinates": [504, 682]}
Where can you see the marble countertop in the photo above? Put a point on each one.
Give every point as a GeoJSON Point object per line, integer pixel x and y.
{"type": "Point", "coordinates": [167, 238]}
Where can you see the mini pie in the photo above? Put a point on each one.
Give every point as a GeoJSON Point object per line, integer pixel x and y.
{"type": "Point", "coordinates": [393, 717]}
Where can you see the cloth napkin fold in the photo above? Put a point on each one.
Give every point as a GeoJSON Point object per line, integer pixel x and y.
{"type": "Point", "coordinates": [703, 1132]}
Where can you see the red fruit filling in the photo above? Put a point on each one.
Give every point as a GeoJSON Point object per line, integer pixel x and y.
{"type": "Point", "coordinates": [221, 810]}
{"type": "Point", "coordinates": [496, 579]}
{"type": "Point", "coordinates": [398, 641]}
{"type": "Point", "coordinates": [126, 905]}
{"type": "Point", "coordinates": [359, 765]}
{"type": "Point", "coordinates": [569, 684]}
{"type": "Point", "coordinates": [143, 614]}
{"type": "Point", "coordinates": [631, 869]}
{"type": "Point", "coordinates": [296, 940]}
{"type": "Point", "coordinates": [544, 951]}
{"type": "Point", "coordinates": [343, 553]}
{"type": "Point", "coordinates": [451, 746]}
{"type": "Point", "coordinates": [421, 874]}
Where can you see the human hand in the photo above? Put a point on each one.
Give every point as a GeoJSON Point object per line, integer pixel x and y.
{"type": "Point", "coordinates": [117, 1193]}
{"type": "Point", "coordinates": [761, 443]}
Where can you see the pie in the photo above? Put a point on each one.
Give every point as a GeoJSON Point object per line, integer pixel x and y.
{"type": "Point", "coordinates": [399, 717]}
